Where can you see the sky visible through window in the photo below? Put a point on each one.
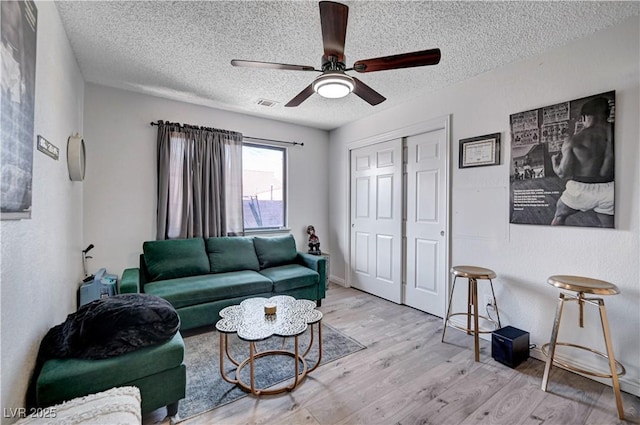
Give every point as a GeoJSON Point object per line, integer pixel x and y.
{"type": "Point", "coordinates": [262, 186]}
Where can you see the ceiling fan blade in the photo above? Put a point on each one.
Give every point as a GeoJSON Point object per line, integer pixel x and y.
{"type": "Point", "coordinates": [367, 94]}
{"type": "Point", "coordinates": [333, 18]}
{"type": "Point", "coordinates": [404, 60]}
{"type": "Point", "coordinates": [301, 97]}
{"type": "Point", "coordinates": [271, 65]}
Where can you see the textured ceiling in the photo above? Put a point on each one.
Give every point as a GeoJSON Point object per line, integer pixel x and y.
{"type": "Point", "coordinates": [182, 50]}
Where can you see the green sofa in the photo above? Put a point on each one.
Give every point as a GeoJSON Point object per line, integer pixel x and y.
{"type": "Point", "coordinates": [200, 277]}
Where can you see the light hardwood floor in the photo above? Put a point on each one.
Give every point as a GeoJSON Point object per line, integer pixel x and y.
{"type": "Point", "coordinates": [407, 376]}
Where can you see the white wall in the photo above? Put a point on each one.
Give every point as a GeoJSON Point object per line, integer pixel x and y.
{"type": "Point", "coordinates": [120, 185]}
{"type": "Point", "coordinates": [41, 266]}
{"type": "Point", "coordinates": [523, 255]}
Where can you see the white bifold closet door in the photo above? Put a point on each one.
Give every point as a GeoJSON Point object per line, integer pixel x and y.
{"type": "Point", "coordinates": [399, 219]}
{"type": "Point", "coordinates": [376, 219]}
{"type": "Point", "coordinates": [427, 222]}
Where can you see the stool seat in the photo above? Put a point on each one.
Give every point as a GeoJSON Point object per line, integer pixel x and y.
{"type": "Point", "coordinates": [473, 272]}
{"type": "Point", "coordinates": [586, 285]}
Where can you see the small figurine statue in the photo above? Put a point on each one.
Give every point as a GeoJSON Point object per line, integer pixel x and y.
{"type": "Point", "coordinates": [314, 242]}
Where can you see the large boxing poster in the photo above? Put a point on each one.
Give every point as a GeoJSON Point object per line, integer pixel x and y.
{"type": "Point", "coordinates": [562, 163]}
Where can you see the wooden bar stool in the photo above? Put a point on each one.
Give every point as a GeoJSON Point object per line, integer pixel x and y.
{"type": "Point", "coordinates": [472, 273]}
{"type": "Point", "coordinates": [583, 285]}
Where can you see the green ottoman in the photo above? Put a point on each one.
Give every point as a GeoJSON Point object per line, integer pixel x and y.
{"type": "Point", "coordinates": [157, 371]}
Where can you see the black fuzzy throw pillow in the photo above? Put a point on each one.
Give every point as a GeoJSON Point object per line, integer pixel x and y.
{"type": "Point", "coordinates": [112, 326]}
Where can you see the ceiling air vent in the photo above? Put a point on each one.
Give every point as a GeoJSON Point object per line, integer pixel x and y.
{"type": "Point", "coordinates": [268, 103]}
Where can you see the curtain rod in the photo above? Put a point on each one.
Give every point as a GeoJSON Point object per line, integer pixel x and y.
{"type": "Point", "coordinates": [260, 139]}
{"type": "Point", "coordinates": [272, 140]}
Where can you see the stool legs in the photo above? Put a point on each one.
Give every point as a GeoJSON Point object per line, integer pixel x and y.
{"type": "Point", "coordinates": [446, 319]}
{"type": "Point", "coordinates": [473, 284]}
{"type": "Point", "coordinates": [469, 303]}
{"type": "Point", "coordinates": [552, 343]}
{"type": "Point", "coordinates": [495, 303]}
{"type": "Point", "coordinates": [473, 313]}
{"type": "Point", "coordinates": [612, 360]}
{"type": "Point", "coordinates": [607, 339]}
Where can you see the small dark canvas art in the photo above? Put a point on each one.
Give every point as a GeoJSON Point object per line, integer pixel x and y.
{"type": "Point", "coordinates": [562, 163]}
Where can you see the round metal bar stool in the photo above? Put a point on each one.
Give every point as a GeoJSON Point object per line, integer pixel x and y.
{"type": "Point", "coordinates": [583, 285]}
{"type": "Point", "coordinates": [472, 273]}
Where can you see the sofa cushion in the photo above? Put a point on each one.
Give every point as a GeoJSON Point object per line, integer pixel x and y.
{"type": "Point", "coordinates": [275, 251]}
{"type": "Point", "coordinates": [169, 259]}
{"type": "Point", "coordinates": [290, 276]}
{"type": "Point", "coordinates": [231, 253]}
{"type": "Point", "coordinates": [202, 289]}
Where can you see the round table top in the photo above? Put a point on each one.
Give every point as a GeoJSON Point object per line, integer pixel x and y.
{"type": "Point", "coordinates": [473, 272]}
{"type": "Point", "coordinates": [249, 321]}
{"type": "Point", "coordinates": [583, 284]}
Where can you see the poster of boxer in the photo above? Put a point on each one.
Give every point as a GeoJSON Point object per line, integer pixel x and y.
{"type": "Point", "coordinates": [562, 163]}
{"type": "Point", "coordinates": [18, 30]}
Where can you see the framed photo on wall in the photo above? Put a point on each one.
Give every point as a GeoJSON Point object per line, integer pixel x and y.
{"type": "Point", "coordinates": [480, 151]}
{"type": "Point", "coordinates": [562, 163]}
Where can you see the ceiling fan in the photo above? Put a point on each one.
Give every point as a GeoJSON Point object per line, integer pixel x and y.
{"type": "Point", "coordinates": [333, 82]}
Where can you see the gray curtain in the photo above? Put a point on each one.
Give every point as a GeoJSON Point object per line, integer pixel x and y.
{"type": "Point", "coordinates": [199, 182]}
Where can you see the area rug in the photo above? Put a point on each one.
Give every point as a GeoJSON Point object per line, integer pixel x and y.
{"type": "Point", "coordinates": [206, 389]}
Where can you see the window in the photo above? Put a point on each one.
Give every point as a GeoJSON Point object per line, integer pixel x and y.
{"type": "Point", "coordinates": [176, 193]}
{"type": "Point", "coordinates": [263, 187]}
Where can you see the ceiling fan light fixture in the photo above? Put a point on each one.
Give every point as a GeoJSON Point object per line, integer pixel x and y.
{"type": "Point", "coordinates": [333, 85]}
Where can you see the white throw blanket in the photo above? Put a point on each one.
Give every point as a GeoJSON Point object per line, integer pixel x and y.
{"type": "Point", "coordinates": [115, 406]}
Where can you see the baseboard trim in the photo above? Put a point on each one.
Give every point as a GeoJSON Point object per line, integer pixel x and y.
{"type": "Point", "coordinates": [337, 280]}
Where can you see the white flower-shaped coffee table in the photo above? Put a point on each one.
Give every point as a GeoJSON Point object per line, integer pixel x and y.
{"type": "Point", "coordinates": [249, 321]}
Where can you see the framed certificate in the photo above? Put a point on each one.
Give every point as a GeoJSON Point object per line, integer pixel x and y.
{"type": "Point", "coordinates": [480, 151]}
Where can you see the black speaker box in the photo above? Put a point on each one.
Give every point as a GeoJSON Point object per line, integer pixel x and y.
{"type": "Point", "coordinates": [510, 346]}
